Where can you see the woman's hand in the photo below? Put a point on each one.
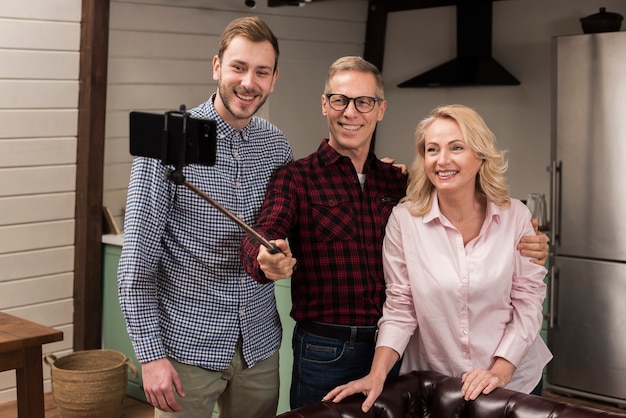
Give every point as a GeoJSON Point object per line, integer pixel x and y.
{"type": "Point", "coordinates": [485, 381]}
{"type": "Point", "coordinates": [535, 246]}
{"type": "Point", "coordinates": [369, 385]}
{"type": "Point", "coordinates": [372, 384]}
{"type": "Point", "coordinates": [391, 161]}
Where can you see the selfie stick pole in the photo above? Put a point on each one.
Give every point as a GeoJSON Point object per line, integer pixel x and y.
{"type": "Point", "coordinates": [177, 177]}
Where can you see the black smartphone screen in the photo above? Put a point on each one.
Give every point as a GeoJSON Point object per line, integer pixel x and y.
{"type": "Point", "coordinates": [188, 140]}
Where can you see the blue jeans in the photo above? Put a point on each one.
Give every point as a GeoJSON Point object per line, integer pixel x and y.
{"type": "Point", "coordinates": [320, 364]}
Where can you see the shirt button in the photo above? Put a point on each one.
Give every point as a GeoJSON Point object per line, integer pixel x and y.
{"type": "Point", "coordinates": [236, 154]}
{"type": "Point", "coordinates": [465, 332]}
{"type": "Point", "coordinates": [241, 312]}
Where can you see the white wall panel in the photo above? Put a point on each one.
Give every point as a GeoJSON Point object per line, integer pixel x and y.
{"type": "Point", "coordinates": [168, 19]}
{"type": "Point", "coordinates": [36, 208]}
{"type": "Point", "coordinates": [117, 150]}
{"type": "Point", "coordinates": [43, 123]}
{"type": "Point", "coordinates": [47, 179]}
{"type": "Point", "coordinates": [130, 43]}
{"type": "Point", "coordinates": [39, 35]}
{"type": "Point", "coordinates": [44, 65]}
{"type": "Point", "coordinates": [149, 97]}
{"type": "Point", "coordinates": [159, 71]}
{"type": "Point", "coordinates": [52, 314]}
{"type": "Point", "coordinates": [29, 264]}
{"type": "Point", "coordinates": [117, 177]}
{"type": "Point", "coordinates": [39, 151]}
{"type": "Point", "coordinates": [35, 236]}
{"type": "Point", "coordinates": [67, 10]}
{"type": "Point", "coordinates": [38, 94]}
{"type": "Point", "coordinates": [36, 290]}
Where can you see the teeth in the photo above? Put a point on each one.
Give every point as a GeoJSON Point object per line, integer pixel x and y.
{"type": "Point", "coordinates": [351, 127]}
{"type": "Point", "coordinates": [446, 173]}
{"type": "Point", "coordinates": [242, 97]}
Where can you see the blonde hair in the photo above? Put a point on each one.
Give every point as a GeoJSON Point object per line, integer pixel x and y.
{"type": "Point", "coordinates": [490, 180]}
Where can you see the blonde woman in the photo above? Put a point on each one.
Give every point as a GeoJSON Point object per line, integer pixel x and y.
{"type": "Point", "coordinates": [461, 300]}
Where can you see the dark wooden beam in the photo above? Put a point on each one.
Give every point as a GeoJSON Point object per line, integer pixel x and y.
{"type": "Point", "coordinates": [278, 3]}
{"type": "Point", "coordinates": [403, 5]}
{"type": "Point", "coordinates": [375, 32]}
{"type": "Point", "coordinates": [94, 42]}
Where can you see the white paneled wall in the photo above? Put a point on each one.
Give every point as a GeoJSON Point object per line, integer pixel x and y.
{"type": "Point", "coordinates": [39, 56]}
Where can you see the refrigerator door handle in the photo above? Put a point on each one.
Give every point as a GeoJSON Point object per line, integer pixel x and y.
{"type": "Point", "coordinates": [555, 202]}
{"type": "Point", "coordinates": [552, 298]}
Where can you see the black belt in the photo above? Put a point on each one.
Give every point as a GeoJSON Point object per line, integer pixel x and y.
{"type": "Point", "coordinates": [339, 332]}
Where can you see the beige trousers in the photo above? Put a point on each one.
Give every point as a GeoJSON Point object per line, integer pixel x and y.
{"type": "Point", "coordinates": [238, 392]}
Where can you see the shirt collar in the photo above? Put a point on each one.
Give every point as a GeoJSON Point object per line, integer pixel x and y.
{"type": "Point", "coordinates": [329, 155]}
{"type": "Point", "coordinates": [493, 212]}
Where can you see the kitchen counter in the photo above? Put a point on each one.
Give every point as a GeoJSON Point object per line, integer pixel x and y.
{"type": "Point", "coordinates": [113, 239]}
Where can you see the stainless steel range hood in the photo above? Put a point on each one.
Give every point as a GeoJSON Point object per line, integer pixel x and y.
{"type": "Point", "coordinates": [473, 65]}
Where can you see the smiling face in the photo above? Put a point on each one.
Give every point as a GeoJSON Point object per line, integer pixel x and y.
{"type": "Point", "coordinates": [350, 131]}
{"type": "Point", "coordinates": [245, 76]}
{"type": "Point", "coordinates": [451, 164]}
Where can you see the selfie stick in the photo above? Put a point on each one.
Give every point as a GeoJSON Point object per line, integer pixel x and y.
{"type": "Point", "coordinates": [177, 177]}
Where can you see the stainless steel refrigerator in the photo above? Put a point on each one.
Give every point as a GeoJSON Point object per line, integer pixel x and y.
{"type": "Point", "coordinates": [587, 297]}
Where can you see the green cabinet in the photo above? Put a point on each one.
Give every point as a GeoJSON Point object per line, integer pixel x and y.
{"type": "Point", "coordinates": [282, 289]}
{"type": "Point", "coordinates": [115, 337]}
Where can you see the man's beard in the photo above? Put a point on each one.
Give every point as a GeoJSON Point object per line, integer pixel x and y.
{"type": "Point", "coordinates": [227, 95]}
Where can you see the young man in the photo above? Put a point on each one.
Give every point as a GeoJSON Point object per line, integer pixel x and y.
{"type": "Point", "coordinates": [203, 330]}
{"type": "Point", "coordinates": [333, 207]}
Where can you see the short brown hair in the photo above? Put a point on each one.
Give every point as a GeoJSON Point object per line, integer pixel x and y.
{"type": "Point", "coordinates": [252, 28]}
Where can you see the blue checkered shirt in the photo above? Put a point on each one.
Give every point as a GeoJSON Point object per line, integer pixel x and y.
{"type": "Point", "coordinates": [182, 288]}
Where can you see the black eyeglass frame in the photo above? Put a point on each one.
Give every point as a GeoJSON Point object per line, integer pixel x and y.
{"type": "Point", "coordinates": [351, 99]}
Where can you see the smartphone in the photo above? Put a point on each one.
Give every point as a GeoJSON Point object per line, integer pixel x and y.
{"type": "Point", "coordinates": [187, 140]}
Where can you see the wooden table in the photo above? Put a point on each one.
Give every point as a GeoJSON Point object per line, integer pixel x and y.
{"type": "Point", "coordinates": [20, 349]}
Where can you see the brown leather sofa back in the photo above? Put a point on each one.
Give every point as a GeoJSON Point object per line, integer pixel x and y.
{"type": "Point", "coordinates": [423, 394]}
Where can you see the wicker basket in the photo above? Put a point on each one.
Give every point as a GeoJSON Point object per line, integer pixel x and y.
{"type": "Point", "coordinates": [90, 383]}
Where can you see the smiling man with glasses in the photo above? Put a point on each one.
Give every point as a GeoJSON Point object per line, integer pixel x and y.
{"type": "Point", "coordinates": [333, 206]}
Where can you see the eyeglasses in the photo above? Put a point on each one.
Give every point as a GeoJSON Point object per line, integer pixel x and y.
{"type": "Point", "coordinates": [339, 102]}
